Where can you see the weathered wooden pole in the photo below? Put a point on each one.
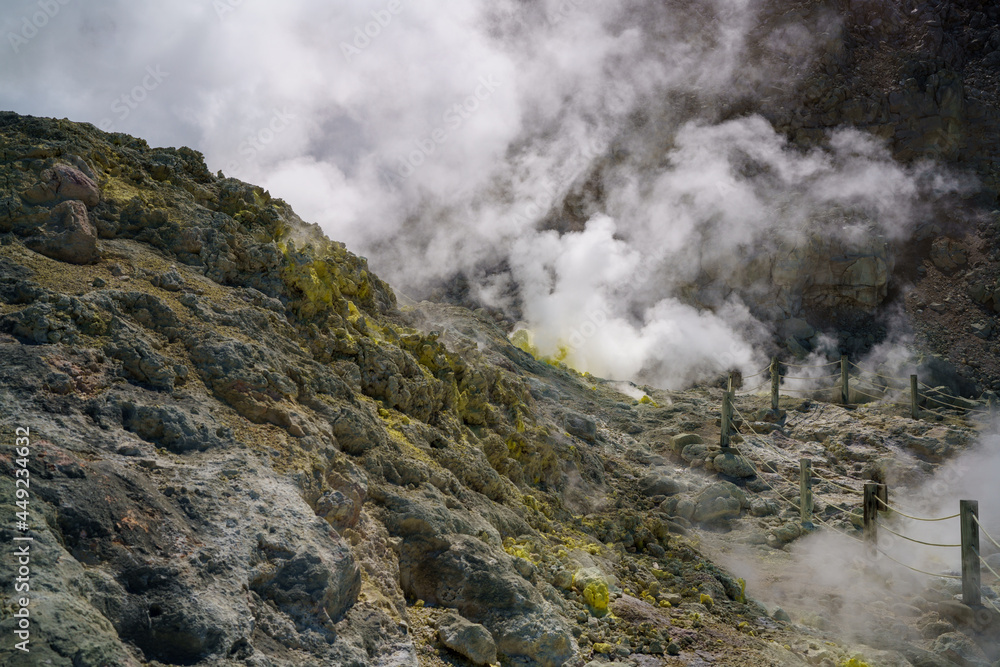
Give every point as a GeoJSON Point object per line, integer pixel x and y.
{"type": "Point", "coordinates": [970, 553]}
{"type": "Point", "coordinates": [845, 388]}
{"type": "Point", "coordinates": [731, 383]}
{"type": "Point", "coordinates": [871, 516]}
{"type": "Point", "coordinates": [727, 420]}
{"type": "Point", "coordinates": [775, 381]}
{"type": "Point", "coordinates": [805, 492]}
{"type": "Point", "coordinates": [914, 397]}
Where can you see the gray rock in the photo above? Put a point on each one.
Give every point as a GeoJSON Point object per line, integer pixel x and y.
{"type": "Point", "coordinates": [581, 426]}
{"type": "Point", "coordinates": [66, 235]}
{"type": "Point", "coordinates": [466, 574]}
{"type": "Point", "coordinates": [61, 183]}
{"type": "Point", "coordinates": [468, 639]}
{"type": "Point", "coordinates": [761, 508]}
{"type": "Point", "coordinates": [959, 648]}
{"type": "Point", "coordinates": [172, 428]}
{"type": "Point", "coordinates": [682, 440]}
{"type": "Point", "coordinates": [659, 485]}
{"type": "Point", "coordinates": [947, 255]}
{"type": "Point", "coordinates": [734, 466]}
{"type": "Point", "coordinates": [694, 452]}
{"type": "Point", "coordinates": [796, 328]}
{"type": "Point", "coordinates": [170, 281]}
{"type": "Point", "coordinates": [309, 583]}
{"type": "Point", "coordinates": [719, 503]}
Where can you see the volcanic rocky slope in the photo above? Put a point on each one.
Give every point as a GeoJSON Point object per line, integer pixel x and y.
{"type": "Point", "coordinates": [243, 451]}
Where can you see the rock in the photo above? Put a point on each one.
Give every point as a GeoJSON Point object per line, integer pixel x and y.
{"type": "Point", "coordinates": [719, 503]}
{"type": "Point", "coordinates": [694, 452]}
{"type": "Point", "coordinates": [61, 183]}
{"type": "Point", "coordinates": [67, 235]}
{"type": "Point", "coordinates": [679, 442]}
{"type": "Point", "coordinates": [947, 255]}
{"type": "Point", "coordinates": [468, 639]}
{"type": "Point", "coordinates": [734, 466]}
{"type": "Point", "coordinates": [796, 328]}
{"type": "Point", "coordinates": [659, 485]}
{"type": "Point", "coordinates": [959, 648]}
{"type": "Point", "coordinates": [781, 615]}
{"type": "Point", "coordinates": [171, 428]}
{"type": "Point", "coordinates": [982, 329]}
{"type": "Point", "coordinates": [636, 611]}
{"type": "Point", "coordinates": [581, 426]}
{"type": "Point", "coordinates": [761, 508]}
{"type": "Point", "coordinates": [309, 583]}
{"type": "Point", "coordinates": [462, 572]}
{"type": "Point", "coordinates": [170, 281]}
{"type": "Point", "coordinates": [786, 533]}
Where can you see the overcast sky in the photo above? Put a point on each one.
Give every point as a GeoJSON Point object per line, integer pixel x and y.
{"type": "Point", "coordinates": [433, 137]}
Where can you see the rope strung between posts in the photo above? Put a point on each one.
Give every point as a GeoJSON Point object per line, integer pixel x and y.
{"type": "Point", "coordinates": [837, 530]}
{"type": "Point", "coordinates": [992, 605]}
{"type": "Point", "coordinates": [774, 450]}
{"type": "Point", "coordinates": [915, 518]}
{"type": "Point", "coordinates": [929, 574]}
{"type": "Point", "coordinates": [879, 375]}
{"type": "Point", "coordinates": [939, 413]}
{"type": "Point", "coordinates": [818, 377]}
{"type": "Point", "coordinates": [864, 393]}
{"type": "Point", "coordinates": [988, 536]}
{"type": "Point", "coordinates": [953, 406]}
{"type": "Point", "coordinates": [744, 392]}
{"type": "Point", "coordinates": [832, 363]}
{"type": "Point", "coordinates": [809, 391]}
{"type": "Point", "coordinates": [937, 391]}
{"type": "Point", "coordinates": [926, 544]}
{"type": "Point", "coordinates": [757, 472]}
{"type": "Point", "coordinates": [790, 460]}
{"type": "Point", "coordinates": [994, 572]}
{"type": "Point", "coordinates": [796, 506]}
{"type": "Point", "coordinates": [760, 372]}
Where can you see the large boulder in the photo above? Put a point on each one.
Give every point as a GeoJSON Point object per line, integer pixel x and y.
{"type": "Point", "coordinates": [468, 639]}
{"type": "Point", "coordinates": [719, 503]}
{"type": "Point", "coordinates": [734, 466]}
{"type": "Point", "coordinates": [61, 183]}
{"type": "Point", "coordinates": [464, 573]}
{"type": "Point", "coordinates": [66, 235]}
{"type": "Point", "coordinates": [659, 485]}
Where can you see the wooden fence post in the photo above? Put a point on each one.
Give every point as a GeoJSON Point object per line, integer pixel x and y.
{"type": "Point", "coordinates": [845, 387]}
{"type": "Point", "coordinates": [805, 491]}
{"type": "Point", "coordinates": [727, 420]}
{"type": "Point", "coordinates": [775, 381]}
{"type": "Point", "coordinates": [970, 553]}
{"type": "Point", "coordinates": [914, 398]}
{"type": "Point", "coordinates": [871, 516]}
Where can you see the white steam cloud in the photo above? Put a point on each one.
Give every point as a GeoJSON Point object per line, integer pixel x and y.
{"type": "Point", "coordinates": [448, 137]}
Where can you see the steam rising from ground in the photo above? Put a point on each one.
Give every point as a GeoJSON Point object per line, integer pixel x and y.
{"type": "Point", "coordinates": [459, 137]}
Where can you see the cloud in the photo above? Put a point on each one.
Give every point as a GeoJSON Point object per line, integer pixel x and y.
{"type": "Point", "coordinates": [454, 137]}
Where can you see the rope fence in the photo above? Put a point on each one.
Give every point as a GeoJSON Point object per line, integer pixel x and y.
{"type": "Point", "coordinates": [874, 497]}
{"type": "Point", "coordinates": [915, 518]}
{"type": "Point", "coordinates": [916, 541]}
{"type": "Point", "coordinates": [868, 385]}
